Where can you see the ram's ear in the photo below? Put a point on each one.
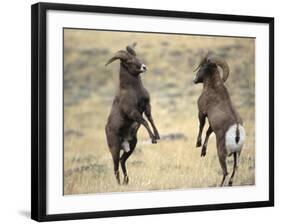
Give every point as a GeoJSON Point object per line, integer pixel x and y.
{"type": "Point", "coordinates": [122, 55]}
{"type": "Point", "coordinates": [131, 50]}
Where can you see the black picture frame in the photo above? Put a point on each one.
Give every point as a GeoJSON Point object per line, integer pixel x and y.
{"type": "Point", "coordinates": [39, 108]}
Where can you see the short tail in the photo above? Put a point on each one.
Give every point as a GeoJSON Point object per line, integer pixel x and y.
{"type": "Point", "coordinates": [237, 137]}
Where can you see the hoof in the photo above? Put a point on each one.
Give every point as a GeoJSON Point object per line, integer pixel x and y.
{"type": "Point", "coordinates": [203, 154]}
{"type": "Point", "coordinates": [117, 177]}
{"type": "Point", "coordinates": [153, 141]}
{"type": "Point", "coordinates": [198, 144]}
{"type": "Point", "coordinates": [157, 136]}
{"type": "Point", "coordinates": [230, 183]}
{"type": "Point", "coordinates": [126, 180]}
{"type": "Point", "coordinates": [203, 151]}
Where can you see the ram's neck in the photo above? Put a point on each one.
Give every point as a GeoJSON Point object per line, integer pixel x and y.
{"type": "Point", "coordinates": [128, 80]}
{"type": "Point", "coordinates": [212, 81]}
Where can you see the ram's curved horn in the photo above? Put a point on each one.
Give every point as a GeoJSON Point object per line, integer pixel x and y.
{"type": "Point", "coordinates": [204, 54]}
{"type": "Point", "coordinates": [197, 67]}
{"type": "Point", "coordinates": [131, 50]}
{"type": "Point", "coordinates": [222, 63]}
{"type": "Point", "coordinates": [122, 55]}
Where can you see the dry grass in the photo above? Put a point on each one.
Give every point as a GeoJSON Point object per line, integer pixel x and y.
{"type": "Point", "coordinates": [89, 90]}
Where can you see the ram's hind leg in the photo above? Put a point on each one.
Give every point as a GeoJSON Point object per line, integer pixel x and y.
{"type": "Point", "coordinates": [115, 152]}
{"type": "Point", "coordinates": [235, 166]}
{"type": "Point", "coordinates": [124, 158]}
{"type": "Point", "coordinates": [222, 160]}
{"type": "Point", "coordinates": [114, 147]}
{"type": "Point", "coordinates": [222, 157]}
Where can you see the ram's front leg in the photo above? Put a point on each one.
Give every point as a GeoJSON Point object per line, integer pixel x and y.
{"type": "Point", "coordinates": [202, 119]}
{"type": "Point", "coordinates": [147, 113]}
{"type": "Point", "coordinates": [136, 116]}
{"type": "Point", "coordinates": [204, 147]}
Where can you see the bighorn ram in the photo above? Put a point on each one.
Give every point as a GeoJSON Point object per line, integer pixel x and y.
{"type": "Point", "coordinates": [129, 104]}
{"type": "Point", "coordinates": [215, 104]}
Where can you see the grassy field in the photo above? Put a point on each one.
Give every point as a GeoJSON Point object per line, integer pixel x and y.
{"type": "Point", "coordinates": [89, 88]}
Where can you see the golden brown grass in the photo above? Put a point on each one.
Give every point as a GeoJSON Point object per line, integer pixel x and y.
{"type": "Point", "coordinates": [176, 164]}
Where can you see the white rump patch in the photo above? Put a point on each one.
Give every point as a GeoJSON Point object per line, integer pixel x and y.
{"type": "Point", "coordinates": [230, 143]}
{"type": "Point", "coordinates": [126, 146]}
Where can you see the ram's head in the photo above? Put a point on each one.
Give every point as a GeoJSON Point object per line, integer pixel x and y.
{"type": "Point", "coordinates": [129, 60]}
{"type": "Point", "coordinates": [208, 66]}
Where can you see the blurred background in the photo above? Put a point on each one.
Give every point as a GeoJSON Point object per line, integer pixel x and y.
{"type": "Point", "coordinates": [175, 162]}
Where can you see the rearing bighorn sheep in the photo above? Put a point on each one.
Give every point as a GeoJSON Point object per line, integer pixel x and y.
{"type": "Point", "coordinates": [215, 104]}
{"type": "Point", "coordinates": [129, 104]}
